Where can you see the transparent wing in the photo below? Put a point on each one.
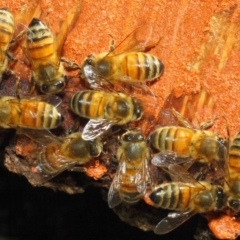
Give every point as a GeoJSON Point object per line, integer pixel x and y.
{"type": "Point", "coordinates": [114, 198]}
{"type": "Point", "coordinates": [172, 221]}
{"type": "Point", "coordinates": [193, 108]}
{"type": "Point", "coordinates": [163, 159]}
{"type": "Point", "coordinates": [180, 174]}
{"type": "Point", "coordinates": [43, 136]}
{"type": "Point", "coordinates": [138, 40]}
{"type": "Point", "coordinates": [95, 128]}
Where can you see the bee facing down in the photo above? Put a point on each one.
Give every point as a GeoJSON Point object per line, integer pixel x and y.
{"type": "Point", "coordinates": [104, 110]}
{"type": "Point", "coordinates": [7, 24]}
{"type": "Point", "coordinates": [43, 50]}
{"type": "Point", "coordinates": [32, 113]}
{"type": "Point", "coordinates": [132, 177]}
{"type": "Point", "coordinates": [125, 63]}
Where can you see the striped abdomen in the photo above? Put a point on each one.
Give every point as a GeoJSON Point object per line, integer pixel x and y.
{"type": "Point", "coordinates": [140, 66]}
{"type": "Point", "coordinates": [89, 104]}
{"type": "Point", "coordinates": [128, 190]}
{"type": "Point", "coordinates": [176, 139]}
{"type": "Point", "coordinates": [41, 44]}
{"type": "Point", "coordinates": [34, 114]}
{"type": "Point", "coordinates": [173, 196]}
{"type": "Point", "coordinates": [234, 155]}
{"type": "Point", "coordinates": [6, 32]}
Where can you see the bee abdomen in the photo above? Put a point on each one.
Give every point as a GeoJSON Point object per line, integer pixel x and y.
{"type": "Point", "coordinates": [171, 196]}
{"type": "Point", "coordinates": [141, 66]}
{"type": "Point", "coordinates": [89, 104]}
{"type": "Point", "coordinates": [130, 194]}
{"type": "Point", "coordinates": [40, 115]}
{"type": "Point", "coordinates": [6, 31]}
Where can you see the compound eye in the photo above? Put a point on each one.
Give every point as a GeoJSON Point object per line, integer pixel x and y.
{"type": "Point", "coordinates": [234, 204]}
{"type": "Point", "coordinates": [45, 88]}
{"type": "Point", "coordinates": [89, 61]}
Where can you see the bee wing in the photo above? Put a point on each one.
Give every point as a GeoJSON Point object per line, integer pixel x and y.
{"type": "Point", "coordinates": [163, 159]}
{"type": "Point", "coordinates": [113, 194]}
{"type": "Point", "coordinates": [95, 79]}
{"type": "Point", "coordinates": [179, 174]}
{"type": "Point", "coordinates": [190, 108]}
{"type": "Point", "coordinates": [67, 25]}
{"type": "Point", "coordinates": [172, 221]}
{"type": "Point", "coordinates": [138, 40]}
{"type": "Point", "coordinates": [39, 175]}
{"type": "Point", "coordinates": [43, 136]}
{"type": "Point", "coordinates": [94, 128]}
{"type": "Point", "coordinates": [141, 178]}
{"type": "Point", "coordinates": [51, 99]}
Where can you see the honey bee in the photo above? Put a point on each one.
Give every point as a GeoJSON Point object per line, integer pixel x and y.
{"type": "Point", "coordinates": [7, 29]}
{"type": "Point", "coordinates": [43, 51]}
{"type": "Point", "coordinates": [179, 143]}
{"type": "Point", "coordinates": [125, 63]}
{"type": "Point", "coordinates": [132, 177]}
{"type": "Point", "coordinates": [232, 186]}
{"type": "Point", "coordinates": [104, 110]}
{"type": "Point", "coordinates": [60, 154]}
{"type": "Point", "coordinates": [30, 113]}
{"type": "Point", "coordinates": [186, 196]}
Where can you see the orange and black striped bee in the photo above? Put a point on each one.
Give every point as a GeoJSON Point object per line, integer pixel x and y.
{"type": "Point", "coordinates": [60, 153]}
{"type": "Point", "coordinates": [132, 177]}
{"type": "Point", "coordinates": [186, 197]}
{"type": "Point", "coordinates": [126, 62]}
{"type": "Point", "coordinates": [104, 110]}
{"type": "Point", "coordinates": [7, 25]}
{"type": "Point", "coordinates": [43, 51]}
{"type": "Point", "coordinates": [32, 113]}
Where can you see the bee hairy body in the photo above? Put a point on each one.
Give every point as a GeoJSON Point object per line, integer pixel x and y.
{"type": "Point", "coordinates": [133, 66]}
{"type": "Point", "coordinates": [28, 113]}
{"type": "Point", "coordinates": [197, 144]}
{"type": "Point", "coordinates": [178, 196]}
{"type": "Point", "coordinates": [41, 50]}
{"type": "Point", "coordinates": [102, 105]}
{"type": "Point", "coordinates": [6, 34]}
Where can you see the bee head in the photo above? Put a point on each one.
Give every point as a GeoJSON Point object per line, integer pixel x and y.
{"type": "Point", "coordinates": [53, 88]}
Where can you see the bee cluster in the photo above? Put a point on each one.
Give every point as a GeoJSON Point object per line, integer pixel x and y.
{"type": "Point", "coordinates": [175, 149]}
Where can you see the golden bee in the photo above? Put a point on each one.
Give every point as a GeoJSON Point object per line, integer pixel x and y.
{"type": "Point", "coordinates": [131, 179]}
{"type": "Point", "coordinates": [126, 62]}
{"type": "Point", "coordinates": [43, 51]}
{"type": "Point", "coordinates": [232, 186]}
{"type": "Point", "coordinates": [104, 110]}
{"type": "Point", "coordinates": [7, 30]}
{"type": "Point", "coordinates": [186, 196]}
{"type": "Point", "coordinates": [61, 153]}
{"type": "Point", "coordinates": [179, 142]}
{"type": "Point", "coordinates": [30, 112]}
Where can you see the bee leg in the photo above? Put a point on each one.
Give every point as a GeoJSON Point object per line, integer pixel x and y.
{"type": "Point", "coordinates": [32, 86]}
{"type": "Point", "coordinates": [181, 119]}
{"type": "Point", "coordinates": [71, 65]}
{"type": "Point", "coordinates": [78, 169]}
{"type": "Point", "coordinates": [74, 128]}
{"type": "Point", "coordinates": [17, 87]}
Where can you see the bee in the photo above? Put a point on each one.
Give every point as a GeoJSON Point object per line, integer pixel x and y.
{"type": "Point", "coordinates": [43, 51]}
{"type": "Point", "coordinates": [232, 186]}
{"type": "Point", "coordinates": [104, 110]}
{"type": "Point", "coordinates": [131, 179]}
{"type": "Point", "coordinates": [186, 196]}
{"type": "Point", "coordinates": [179, 143]}
{"type": "Point", "coordinates": [7, 24]}
{"type": "Point", "coordinates": [61, 153]}
{"type": "Point", "coordinates": [126, 63]}
{"type": "Point", "coordinates": [30, 113]}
